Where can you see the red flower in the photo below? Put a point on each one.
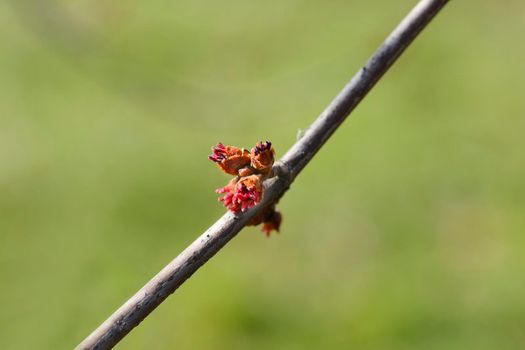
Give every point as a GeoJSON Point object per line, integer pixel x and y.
{"type": "Point", "coordinates": [246, 190]}
{"type": "Point", "coordinates": [227, 199]}
{"type": "Point", "coordinates": [242, 194]}
{"type": "Point", "coordinates": [230, 159]}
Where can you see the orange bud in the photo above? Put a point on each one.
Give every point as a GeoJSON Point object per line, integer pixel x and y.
{"type": "Point", "coordinates": [262, 157]}
{"type": "Point", "coordinates": [230, 159]}
{"type": "Point", "coordinates": [270, 220]}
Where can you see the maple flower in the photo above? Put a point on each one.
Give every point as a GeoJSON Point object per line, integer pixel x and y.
{"type": "Point", "coordinates": [262, 157]}
{"type": "Point", "coordinates": [270, 220]}
{"type": "Point", "coordinates": [241, 194]}
{"type": "Point", "coordinates": [227, 199]}
{"type": "Point", "coordinates": [230, 159]}
{"type": "Point", "coordinates": [245, 190]}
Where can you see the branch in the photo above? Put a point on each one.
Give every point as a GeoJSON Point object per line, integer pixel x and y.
{"type": "Point", "coordinates": [210, 242]}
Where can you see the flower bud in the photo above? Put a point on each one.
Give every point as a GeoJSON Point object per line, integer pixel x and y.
{"type": "Point", "coordinates": [262, 157]}
{"type": "Point", "coordinates": [230, 159]}
{"type": "Point", "coordinates": [245, 190]}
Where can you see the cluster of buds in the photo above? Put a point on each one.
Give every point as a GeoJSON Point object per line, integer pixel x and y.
{"type": "Point", "coordinates": [245, 190]}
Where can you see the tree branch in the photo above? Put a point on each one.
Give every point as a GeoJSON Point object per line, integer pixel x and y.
{"type": "Point", "coordinates": [210, 242]}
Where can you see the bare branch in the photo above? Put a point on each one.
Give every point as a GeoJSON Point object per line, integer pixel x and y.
{"type": "Point", "coordinates": [210, 242]}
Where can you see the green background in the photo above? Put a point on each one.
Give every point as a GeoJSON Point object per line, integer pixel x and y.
{"type": "Point", "coordinates": [405, 232]}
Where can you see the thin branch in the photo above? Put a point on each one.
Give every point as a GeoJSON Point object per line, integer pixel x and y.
{"type": "Point", "coordinates": [210, 242]}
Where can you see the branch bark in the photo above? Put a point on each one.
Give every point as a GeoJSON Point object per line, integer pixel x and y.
{"type": "Point", "coordinates": [210, 242]}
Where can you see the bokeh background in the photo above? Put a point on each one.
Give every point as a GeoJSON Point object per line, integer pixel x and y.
{"type": "Point", "coordinates": [405, 232]}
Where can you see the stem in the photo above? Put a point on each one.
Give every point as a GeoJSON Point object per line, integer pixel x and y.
{"type": "Point", "coordinates": [210, 242]}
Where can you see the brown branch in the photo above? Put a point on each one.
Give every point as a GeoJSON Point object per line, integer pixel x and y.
{"type": "Point", "coordinates": [210, 242]}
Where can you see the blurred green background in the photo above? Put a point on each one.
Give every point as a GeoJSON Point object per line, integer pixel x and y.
{"type": "Point", "coordinates": [405, 232]}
